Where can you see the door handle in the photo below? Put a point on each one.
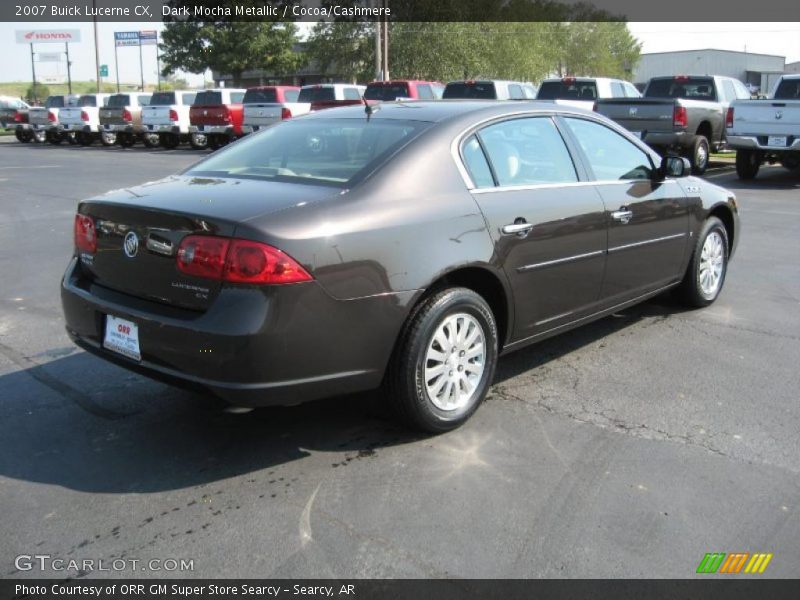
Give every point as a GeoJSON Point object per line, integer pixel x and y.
{"type": "Point", "coordinates": [622, 215]}
{"type": "Point", "coordinates": [519, 229]}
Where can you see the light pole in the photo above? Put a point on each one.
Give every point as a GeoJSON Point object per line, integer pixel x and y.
{"type": "Point", "coordinates": [96, 46]}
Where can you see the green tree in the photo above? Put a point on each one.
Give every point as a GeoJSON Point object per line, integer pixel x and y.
{"type": "Point", "coordinates": [346, 48]}
{"type": "Point", "coordinates": [37, 93]}
{"type": "Point", "coordinates": [229, 47]}
{"type": "Point", "coordinates": [602, 49]}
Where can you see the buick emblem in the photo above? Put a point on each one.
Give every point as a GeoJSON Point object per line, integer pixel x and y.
{"type": "Point", "coordinates": [632, 111]}
{"type": "Point", "coordinates": [778, 114]}
{"type": "Point", "coordinates": [131, 244]}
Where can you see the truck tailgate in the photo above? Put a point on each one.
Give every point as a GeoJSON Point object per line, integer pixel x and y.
{"type": "Point", "coordinates": [639, 114]}
{"type": "Point", "coordinates": [38, 116]}
{"type": "Point", "coordinates": [766, 117]}
{"type": "Point", "coordinates": [156, 115]}
{"type": "Point", "coordinates": [71, 114]}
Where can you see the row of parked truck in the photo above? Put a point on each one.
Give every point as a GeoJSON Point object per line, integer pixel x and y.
{"type": "Point", "coordinates": [688, 115]}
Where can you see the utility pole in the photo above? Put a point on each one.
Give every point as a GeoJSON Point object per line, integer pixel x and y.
{"type": "Point", "coordinates": [385, 43]}
{"type": "Point", "coordinates": [141, 68]}
{"type": "Point", "coordinates": [96, 47]}
{"type": "Point", "coordinates": [33, 73]}
{"type": "Point", "coordinates": [116, 64]}
{"type": "Point", "coordinates": [378, 42]}
{"type": "Point", "coordinates": [158, 63]}
{"type": "Point", "coordinates": [69, 72]}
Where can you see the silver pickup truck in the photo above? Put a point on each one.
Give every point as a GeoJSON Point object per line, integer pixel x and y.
{"type": "Point", "coordinates": [44, 119]}
{"type": "Point", "coordinates": [683, 114]}
{"type": "Point", "coordinates": [766, 130]}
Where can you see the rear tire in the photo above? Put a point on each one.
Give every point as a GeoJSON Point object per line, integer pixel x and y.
{"type": "Point", "coordinates": [748, 162]}
{"type": "Point", "coordinates": [170, 141]}
{"type": "Point", "coordinates": [23, 135]}
{"type": "Point", "coordinates": [198, 141]}
{"type": "Point", "coordinates": [108, 139]}
{"type": "Point", "coordinates": [54, 138]}
{"type": "Point", "coordinates": [151, 140]}
{"type": "Point", "coordinates": [39, 136]}
{"type": "Point", "coordinates": [215, 142]}
{"type": "Point", "coordinates": [84, 139]}
{"type": "Point", "coordinates": [126, 140]}
{"type": "Point", "coordinates": [706, 272]}
{"type": "Point", "coordinates": [699, 155]}
{"type": "Point", "coordinates": [445, 361]}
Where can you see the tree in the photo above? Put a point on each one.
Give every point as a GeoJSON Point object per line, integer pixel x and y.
{"type": "Point", "coordinates": [602, 49]}
{"type": "Point", "coordinates": [344, 47]}
{"type": "Point", "coordinates": [230, 47]}
{"type": "Point", "coordinates": [37, 93]}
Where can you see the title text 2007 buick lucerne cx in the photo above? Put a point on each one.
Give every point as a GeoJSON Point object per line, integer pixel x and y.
{"type": "Point", "coordinates": [405, 246]}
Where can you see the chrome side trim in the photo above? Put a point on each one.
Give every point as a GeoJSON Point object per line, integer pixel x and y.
{"type": "Point", "coordinates": [646, 242]}
{"type": "Point", "coordinates": [544, 186]}
{"type": "Point", "coordinates": [558, 261]}
{"type": "Point", "coordinates": [555, 318]}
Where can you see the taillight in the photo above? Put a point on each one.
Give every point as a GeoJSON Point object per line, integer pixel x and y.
{"type": "Point", "coordinates": [126, 115]}
{"type": "Point", "coordinates": [84, 115]}
{"type": "Point", "coordinates": [17, 117]}
{"type": "Point", "coordinates": [226, 114]}
{"type": "Point", "coordinates": [51, 116]}
{"type": "Point", "coordinates": [286, 113]}
{"type": "Point", "coordinates": [729, 117]}
{"type": "Point", "coordinates": [679, 117]}
{"type": "Point", "coordinates": [85, 234]}
{"type": "Point", "coordinates": [237, 261]}
{"type": "Point", "coordinates": [173, 114]}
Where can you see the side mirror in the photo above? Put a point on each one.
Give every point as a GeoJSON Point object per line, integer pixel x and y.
{"type": "Point", "coordinates": [675, 166]}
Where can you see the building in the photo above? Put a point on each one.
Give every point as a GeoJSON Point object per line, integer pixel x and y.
{"type": "Point", "coordinates": [756, 70]}
{"type": "Point", "coordinates": [793, 67]}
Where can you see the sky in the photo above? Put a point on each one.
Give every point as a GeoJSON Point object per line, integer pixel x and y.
{"type": "Point", "coordinates": [768, 38]}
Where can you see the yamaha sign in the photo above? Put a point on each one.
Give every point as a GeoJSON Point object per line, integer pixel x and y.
{"type": "Point", "coordinates": [48, 36]}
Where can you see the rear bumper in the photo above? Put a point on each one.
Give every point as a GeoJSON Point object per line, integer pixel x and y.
{"type": "Point", "coordinates": [276, 345]}
{"type": "Point", "coordinates": [253, 128]}
{"type": "Point", "coordinates": [759, 142]}
{"type": "Point", "coordinates": [118, 128]}
{"type": "Point", "coordinates": [74, 127]}
{"type": "Point", "coordinates": [672, 139]}
{"type": "Point", "coordinates": [212, 129]}
{"type": "Point", "coordinates": [162, 128]}
{"type": "Point", "coordinates": [43, 127]}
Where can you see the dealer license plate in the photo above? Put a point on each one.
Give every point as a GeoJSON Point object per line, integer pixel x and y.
{"type": "Point", "coordinates": [122, 336]}
{"type": "Point", "coordinates": [777, 140]}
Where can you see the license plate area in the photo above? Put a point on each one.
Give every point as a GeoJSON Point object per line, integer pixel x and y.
{"type": "Point", "coordinates": [122, 336]}
{"type": "Point", "coordinates": [778, 141]}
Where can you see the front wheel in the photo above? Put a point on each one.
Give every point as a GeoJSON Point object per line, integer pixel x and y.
{"type": "Point", "coordinates": [445, 361]}
{"type": "Point", "coordinates": [699, 155]}
{"type": "Point", "coordinates": [748, 162]}
{"type": "Point", "coordinates": [705, 275]}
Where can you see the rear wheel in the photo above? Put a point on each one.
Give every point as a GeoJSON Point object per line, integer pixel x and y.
{"type": "Point", "coordinates": [108, 138]}
{"type": "Point", "coordinates": [54, 138]}
{"type": "Point", "coordinates": [23, 135]}
{"type": "Point", "coordinates": [198, 141]}
{"type": "Point", "coordinates": [71, 137]}
{"type": "Point", "coordinates": [705, 275]}
{"type": "Point", "coordinates": [39, 136]}
{"type": "Point", "coordinates": [84, 139]}
{"type": "Point", "coordinates": [151, 140]}
{"type": "Point", "coordinates": [445, 361]}
{"type": "Point", "coordinates": [699, 155]}
{"type": "Point", "coordinates": [169, 141]}
{"type": "Point", "coordinates": [791, 162]}
{"type": "Point", "coordinates": [748, 162]}
{"type": "Point", "coordinates": [216, 141]}
{"type": "Point", "coordinates": [126, 140]}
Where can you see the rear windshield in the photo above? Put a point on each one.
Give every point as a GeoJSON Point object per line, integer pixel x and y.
{"type": "Point", "coordinates": [162, 99]}
{"type": "Point", "coordinates": [567, 90]}
{"type": "Point", "coordinates": [119, 101]}
{"type": "Point", "coordinates": [208, 98]}
{"type": "Point", "coordinates": [87, 101]}
{"type": "Point", "coordinates": [316, 94]}
{"type": "Point", "coordinates": [387, 92]}
{"type": "Point", "coordinates": [788, 89]}
{"type": "Point", "coordinates": [695, 88]}
{"type": "Point", "coordinates": [312, 151]}
{"type": "Point", "coordinates": [268, 95]}
{"type": "Point", "coordinates": [480, 90]}
{"type": "Point", "coordinates": [54, 102]}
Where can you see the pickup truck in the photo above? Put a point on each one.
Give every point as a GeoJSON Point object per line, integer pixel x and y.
{"type": "Point", "coordinates": [266, 105]}
{"type": "Point", "coordinates": [489, 89]}
{"type": "Point", "coordinates": [583, 91]}
{"type": "Point", "coordinates": [215, 117]}
{"type": "Point", "coordinates": [44, 119]}
{"type": "Point", "coordinates": [331, 95]}
{"type": "Point", "coordinates": [681, 114]}
{"type": "Point", "coordinates": [121, 119]}
{"type": "Point", "coordinates": [165, 120]}
{"type": "Point", "coordinates": [766, 130]}
{"type": "Point", "coordinates": [84, 119]}
{"type": "Point", "coordinates": [404, 89]}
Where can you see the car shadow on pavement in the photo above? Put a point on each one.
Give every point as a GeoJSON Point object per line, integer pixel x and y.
{"type": "Point", "coordinates": [83, 424]}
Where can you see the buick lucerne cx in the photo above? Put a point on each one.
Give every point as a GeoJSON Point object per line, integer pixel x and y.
{"type": "Point", "coordinates": [402, 246]}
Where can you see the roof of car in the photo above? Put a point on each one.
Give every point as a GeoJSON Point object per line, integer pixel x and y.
{"type": "Point", "coordinates": [440, 110]}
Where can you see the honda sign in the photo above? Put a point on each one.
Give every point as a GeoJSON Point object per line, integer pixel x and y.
{"type": "Point", "coordinates": [48, 36]}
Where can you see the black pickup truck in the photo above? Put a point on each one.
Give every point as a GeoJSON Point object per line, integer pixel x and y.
{"type": "Point", "coordinates": [681, 114]}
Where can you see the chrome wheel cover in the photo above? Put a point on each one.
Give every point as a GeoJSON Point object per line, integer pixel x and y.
{"type": "Point", "coordinates": [455, 362]}
{"type": "Point", "coordinates": [712, 264]}
{"type": "Point", "coordinates": [701, 156]}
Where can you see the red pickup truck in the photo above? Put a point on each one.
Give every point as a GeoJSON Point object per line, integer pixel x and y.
{"type": "Point", "coordinates": [410, 89]}
{"type": "Point", "coordinates": [216, 117]}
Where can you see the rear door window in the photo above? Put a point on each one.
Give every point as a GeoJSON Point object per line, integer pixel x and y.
{"type": "Point", "coordinates": [527, 151]}
{"type": "Point", "coordinates": [611, 156]}
{"type": "Point", "coordinates": [617, 91]}
{"type": "Point", "coordinates": [476, 163]}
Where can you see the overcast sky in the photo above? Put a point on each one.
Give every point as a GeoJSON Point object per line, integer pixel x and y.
{"type": "Point", "coordinates": [768, 38]}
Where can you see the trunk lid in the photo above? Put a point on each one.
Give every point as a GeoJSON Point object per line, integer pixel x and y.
{"type": "Point", "coordinates": [639, 114]}
{"type": "Point", "coordinates": [161, 214]}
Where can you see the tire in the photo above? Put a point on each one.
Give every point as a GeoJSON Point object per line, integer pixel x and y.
{"type": "Point", "coordinates": [169, 141]}
{"type": "Point", "coordinates": [39, 136]}
{"type": "Point", "coordinates": [429, 402]}
{"type": "Point", "coordinates": [198, 141]}
{"type": "Point", "coordinates": [72, 138]}
{"type": "Point", "coordinates": [791, 162]}
{"type": "Point", "coordinates": [748, 162]}
{"type": "Point", "coordinates": [126, 140]}
{"type": "Point", "coordinates": [23, 136]}
{"type": "Point", "coordinates": [108, 139]}
{"type": "Point", "coordinates": [84, 139]}
{"type": "Point", "coordinates": [215, 142]}
{"type": "Point", "coordinates": [151, 140]}
{"type": "Point", "coordinates": [54, 138]}
{"type": "Point", "coordinates": [698, 156]}
{"type": "Point", "coordinates": [710, 255]}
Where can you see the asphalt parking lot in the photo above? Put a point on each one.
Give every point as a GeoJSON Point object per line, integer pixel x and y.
{"type": "Point", "coordinates": [628, 448]}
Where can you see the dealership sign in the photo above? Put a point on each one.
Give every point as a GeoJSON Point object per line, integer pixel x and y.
{"type": "Point", "coordinates": [48, 36]}
{"type": "Point", "coordinates": [148, 37]}
{"type": "Point", "coordinates": [126, 38]}
{"type": "Point", "coordinates": [49, 56]}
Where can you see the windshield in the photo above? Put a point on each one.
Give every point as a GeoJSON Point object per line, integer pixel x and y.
{"type": "Point", "coordinates": [788, 89]}
{"type": "Point", "coordinates": [480, 90]}
{"type": "Point", "coordinates": [317, 94]}
{"type": "Point", "coordinates": [567, 90]}
{"type": "Point", "coordinates": [312, 151]}
{"type": "Point", "coordinates": [255, 95]}
{"type": "Point", "coordinates": [386, 92]}
{"type": "Point", "coordinates": [695, 88]}
{"type": "Point", "coordinates": [162, 99]}
{"type": "Point", "coordinates": [119, 101]}
{"type": "Point", "coordinates": [87, 101]}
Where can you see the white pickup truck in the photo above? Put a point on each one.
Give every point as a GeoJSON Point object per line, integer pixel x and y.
{"type": "Point", "coordinates": [83, 119]}
{"type": "Point", "coordinates": [167, 116]}
{"type": "Point", "coordinates": [267, 105]}
{"type": "Point", "coordinates": [766, 130]}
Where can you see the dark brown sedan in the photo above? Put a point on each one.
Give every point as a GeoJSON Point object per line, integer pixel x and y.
{"type": "Point", "coordinates": [406, 248]}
